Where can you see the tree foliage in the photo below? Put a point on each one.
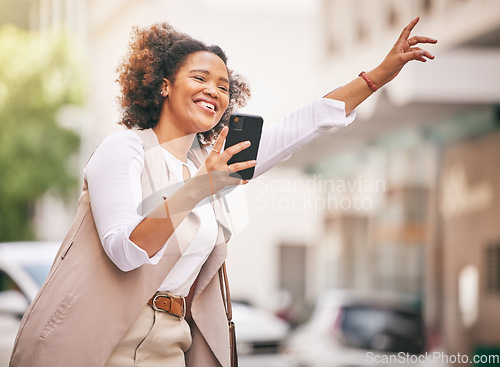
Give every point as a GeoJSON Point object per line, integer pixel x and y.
{"type": "Point", "coordinates": [38, 75]}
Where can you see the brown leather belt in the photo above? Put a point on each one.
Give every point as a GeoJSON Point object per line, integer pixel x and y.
{"type": "Point", "coordinates": [174, 305]}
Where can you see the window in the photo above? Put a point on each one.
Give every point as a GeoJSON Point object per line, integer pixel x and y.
{"type": "Point", "coordinates": [427, 6]}
{"type": "Point", "coordinates": [392, 18]}
{"type": "Point", "coordinates": [493, 269]}
{"type": "Point", "coordinates": [6, 282]}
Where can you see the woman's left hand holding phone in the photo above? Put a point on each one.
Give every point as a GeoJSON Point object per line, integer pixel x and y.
{"type": "Point", "coordinates": [215, 174]}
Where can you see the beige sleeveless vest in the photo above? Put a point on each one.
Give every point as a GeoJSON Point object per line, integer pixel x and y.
{"type": "Point", "coordinates": [87, 304]}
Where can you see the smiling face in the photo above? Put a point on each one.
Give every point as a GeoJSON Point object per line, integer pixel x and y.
{"type": "Point", "coordinates": [197, 98]}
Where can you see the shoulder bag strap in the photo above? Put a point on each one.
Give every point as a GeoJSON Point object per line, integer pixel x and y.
{"type": "Point", "coordinates": [226, 297]}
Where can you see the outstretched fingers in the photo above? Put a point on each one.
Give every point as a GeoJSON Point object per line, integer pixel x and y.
{"type": "Point", "coordinates": [407, 44]}
{"type": "Point", "coordinates": [415, 40]}
{"type": "Point", "coordinates": [405, 34]}
{"type": "Point", "coordinates": [405, 39]}
{"type": "Point", "coordinates": [417, 53]}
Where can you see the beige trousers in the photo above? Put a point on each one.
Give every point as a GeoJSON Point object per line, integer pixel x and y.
{"type": "Point", "coordinates": [155, 339]}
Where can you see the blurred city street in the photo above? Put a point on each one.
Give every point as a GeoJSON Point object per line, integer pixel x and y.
{"type": "Point", "coordinates": [375, 244]}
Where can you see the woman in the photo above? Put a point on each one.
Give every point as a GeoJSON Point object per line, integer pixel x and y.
{"type": "Point", "coordinates": [136, 279]}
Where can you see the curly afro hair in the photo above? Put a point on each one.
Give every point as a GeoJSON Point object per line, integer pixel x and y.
{"type": "Point", "coordinates": [158, 52]}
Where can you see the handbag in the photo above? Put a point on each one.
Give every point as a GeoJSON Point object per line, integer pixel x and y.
{"type": "Point", "coordinates": [224, 287]}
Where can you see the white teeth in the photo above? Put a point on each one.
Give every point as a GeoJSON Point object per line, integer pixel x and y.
{"type": "Point", "coordinates": [207, 105]}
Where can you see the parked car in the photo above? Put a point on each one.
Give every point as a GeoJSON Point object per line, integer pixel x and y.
{"type": "Point", "coordinates": [260, 337]}
{"type": "Point", "coordinates": [258, 331]}
{"type": "Point", "coordinates": [352, 330]}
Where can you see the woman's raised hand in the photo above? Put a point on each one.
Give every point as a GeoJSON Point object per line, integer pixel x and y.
{"type": "Point", "coordinates": [215, 174]}
{"type": "Point", "coordinates": [404, 50]}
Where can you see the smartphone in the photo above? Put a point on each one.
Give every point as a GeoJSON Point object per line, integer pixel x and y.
{"type": "Point", "coordinates": [243, 127]}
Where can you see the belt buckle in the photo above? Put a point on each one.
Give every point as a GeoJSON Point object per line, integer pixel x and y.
{"type": "Point", "coordinates": [170, 296]}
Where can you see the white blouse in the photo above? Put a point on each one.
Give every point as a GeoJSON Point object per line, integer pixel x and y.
{"type": "Point", "coordinates": [185, 271]}
{"type": "Point", "coordinates": [113, 174]}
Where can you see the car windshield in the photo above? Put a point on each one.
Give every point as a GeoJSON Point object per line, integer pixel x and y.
{"type": "Point", "coordinates": [38, 272]}
{"type": "Point", "coordinates": [371, 320]}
